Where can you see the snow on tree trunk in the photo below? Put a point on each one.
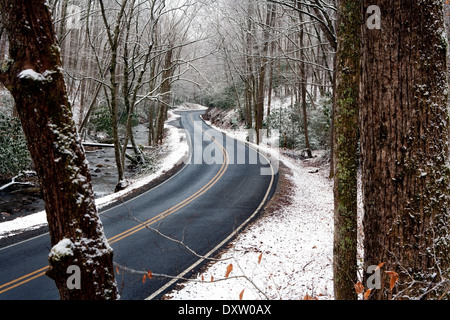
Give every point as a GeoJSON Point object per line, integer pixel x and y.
{"type": "Point", "coordinates": [34, 77]}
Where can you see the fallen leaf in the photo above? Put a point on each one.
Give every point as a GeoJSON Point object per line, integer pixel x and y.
{"type": "Point", "coordinates": [241, 294]}
{"type": "Point", "coordinates": [359, 287]}
{"type": "Point", "coordinates": [212, 279]}
{"type": "Point", "coordinates": [367, 294]}
{"type": "Point", "coordinates": [144, 278]}
{"type": "Point", "coordinates": [229, 269]}
{"type": "Point", "coordinates": [149, 274]}
{"type": "Point", "coordinates": [117, 270]}
{"type": "Point", "coordinates": [203, 278]}
{"type": "Point", "coordinates": [308, 297]}
{"type": "Point", "coordinates": [393, 280]}
{"type": "Point", "coordinates": [259, 258]}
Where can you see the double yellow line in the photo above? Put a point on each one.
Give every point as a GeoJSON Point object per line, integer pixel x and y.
{"type": "Point", "coordinates": [40, 272]}
{"type": "Point", "coordinates": [28, 277]}
{"type": "Point", "coordinates": [180, 205]}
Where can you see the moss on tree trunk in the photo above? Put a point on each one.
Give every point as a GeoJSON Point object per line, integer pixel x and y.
{"type": "Point", "coordinates": [346, 149]}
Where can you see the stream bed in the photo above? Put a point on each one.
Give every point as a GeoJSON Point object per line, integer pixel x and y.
{"type": "Point", "coordinates": [20, 200]}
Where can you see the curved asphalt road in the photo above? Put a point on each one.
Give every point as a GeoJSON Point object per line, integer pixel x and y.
{"type": "Point", "coordinates": [202, 205]}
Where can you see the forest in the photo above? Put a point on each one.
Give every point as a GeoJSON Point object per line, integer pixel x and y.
{"type": "Point", "coordinates": [364, 82]}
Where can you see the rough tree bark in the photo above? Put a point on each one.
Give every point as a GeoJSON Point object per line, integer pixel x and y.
{"type": "Point", "coordinates": [345, 149]}
{"type": "Point", "coordinates": [404, 126]}
{"type": "Point", "coordinates": [33, 75]}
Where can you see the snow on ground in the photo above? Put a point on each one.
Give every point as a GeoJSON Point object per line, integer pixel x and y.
{"type": "Point", "coordinates": [286, 254]}
{"type": "Point", "coordinates": [18, 225]}
{"type": "Point", "coordinates": [176, 150]}
{"type": "Point", "coordinates": [189, 107]}
{"type": "Point", "coordinates": [295, 245]}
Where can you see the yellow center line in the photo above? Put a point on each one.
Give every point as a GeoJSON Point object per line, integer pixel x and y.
{"type": "Point", "coordinates": [23, 277]}
{"type": "Point", "coordinates": [177, 207]}
{"type": "Point", "coordinates": [182, 204]}
{"type": "Point", "coordinates": [40, 272]}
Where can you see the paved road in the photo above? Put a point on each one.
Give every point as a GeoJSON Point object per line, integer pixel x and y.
{"type": "Point", "coordinates": [211, 197]}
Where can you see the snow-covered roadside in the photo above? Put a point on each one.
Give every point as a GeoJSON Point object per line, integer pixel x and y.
{"type": "Point", "coordinates": [286, 254]}
{"type": "Point", "coordinates": [176, 149]}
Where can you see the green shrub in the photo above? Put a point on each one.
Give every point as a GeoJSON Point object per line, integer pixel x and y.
{"type": "Point", "coordinates": [225, 99]}
{"type": "Point", "coordinates": [101, 120]}
{"type": "Point", "coordinates": [289, 122]}
{"type": "Point", "coordinates": [14, 154]}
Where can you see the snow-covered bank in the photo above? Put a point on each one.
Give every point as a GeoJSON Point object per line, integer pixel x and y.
{"type": "Point", "coordinates": [287, 254]}
{"type": "Point", "coordinates": [176, 148]}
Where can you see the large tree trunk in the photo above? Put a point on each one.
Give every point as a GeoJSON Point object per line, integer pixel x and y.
{"type": "Point", "coordinates": [404, 127]}
{"type": "Point", "coordinates": [34, 77]}
{"type": "Point", "coordinates": [346, 146]}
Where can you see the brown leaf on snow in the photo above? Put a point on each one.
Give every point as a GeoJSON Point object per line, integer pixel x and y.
{"type": "Point", "coordinates": [229, 269]}
{"type": "Point", "coordinates": [241, 295]}
{"type": "Point", "coordinates": [259, 258]}
{"type": "Point", "coordinates": [308, 297]}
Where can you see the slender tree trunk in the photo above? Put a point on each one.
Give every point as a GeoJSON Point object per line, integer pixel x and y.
{"type": "Point", "coordinates": [62, 27]}
{"type": "Point", "coordinates": [303, 88]}
{"type": "Point", "coordinates": [152, 108]}
{"type": "Point", "coordinates": [33, 75]}
{"type": "Point", "coordinates": [263, 61]}
{"type": "Point", "coordinates": [249, 101]}
{"type": "Point", "coordinates": [333, 112]}
{"type": "Point", "coordinates": [151, 116]}
{"type": "Point", "coordinates": [404, 126]}
{"type": "Point", "coordinates": [346, 146]}
{"type": "Point", "coordinates": [250, 77]}
{"type": "Point", "coordinates": [113, 41]}
{"type": "Point", "coordinates": [165, 92]}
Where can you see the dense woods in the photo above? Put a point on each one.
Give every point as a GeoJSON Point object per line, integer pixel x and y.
{"type": "Point", "coordinates": [368, 86]}
{"type": "Point", "coordinates": [127, 62]}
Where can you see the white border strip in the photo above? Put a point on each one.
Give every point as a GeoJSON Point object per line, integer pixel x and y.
{"type": "Point", "coordinates": [236, 231]}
